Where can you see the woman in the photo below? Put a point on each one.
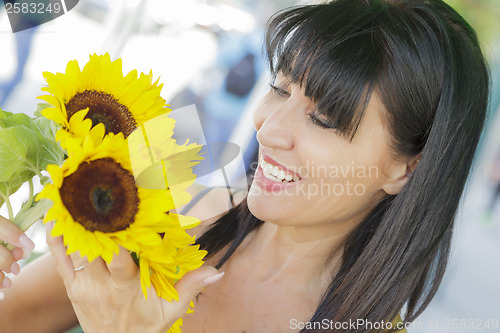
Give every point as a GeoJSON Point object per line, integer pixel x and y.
{"type": "Point", "coordinates": [366, 139]}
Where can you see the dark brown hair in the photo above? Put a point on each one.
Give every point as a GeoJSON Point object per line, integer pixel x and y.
{"type": "Point", "coordinates": [425, 62]}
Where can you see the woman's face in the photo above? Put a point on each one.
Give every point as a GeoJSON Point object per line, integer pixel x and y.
{"type": "Point", "coordinates": [311, 175]}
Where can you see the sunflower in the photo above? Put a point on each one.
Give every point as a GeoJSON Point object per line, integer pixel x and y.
{"type": "Point", "coordinates": [120, 186]}
{"type": "Point", "coordinates": [97, 204]}
{"type": "Point", "coordinates": [120, 103]}
{"type": "Point", "coordinates": [158, 161]}
{"type": "Point", "coordinates": [163, 266]}
{"type": "Point", "coordinates": [176, 327]}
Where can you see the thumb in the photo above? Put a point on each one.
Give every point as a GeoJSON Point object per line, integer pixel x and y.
{"type": "Point", "coordinates": [193, 283]}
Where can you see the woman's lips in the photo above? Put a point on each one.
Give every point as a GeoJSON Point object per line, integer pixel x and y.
{"type": "Point", "coordinates": [273, 176]}
{"type": "Point", "coordinates": [266, 161]}
{"type": "Point", "coordinates": [270, 185]}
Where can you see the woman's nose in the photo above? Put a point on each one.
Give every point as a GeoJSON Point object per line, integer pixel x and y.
{"type": "Point", "coordinates": [275, 128]}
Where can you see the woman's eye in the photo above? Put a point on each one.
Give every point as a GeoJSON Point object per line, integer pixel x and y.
{"type": "Point", "coordinates": [279, 91]}
{"type": "Point", "coordinates": [318, 121]}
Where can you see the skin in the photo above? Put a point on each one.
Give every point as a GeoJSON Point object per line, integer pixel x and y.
{"type": "Point", "coordinates": [39, 291]}
{"type": "Point", "coordinates": [38, 294]}
{"type": "Point", "coordinates": [23, 246]}
{"type": "Point", "coordinates": [288, 258]}
{"type": "Point", "coordinates": [107, 297]}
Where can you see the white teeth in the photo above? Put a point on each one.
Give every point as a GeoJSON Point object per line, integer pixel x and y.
{"type": "Point", "coordinates": [268, 168]}
{"type": "Point", "coordinates": [273, 172]}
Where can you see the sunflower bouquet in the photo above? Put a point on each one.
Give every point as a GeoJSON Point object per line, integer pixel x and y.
{"type": "Point", "coordinates": [124, 174]}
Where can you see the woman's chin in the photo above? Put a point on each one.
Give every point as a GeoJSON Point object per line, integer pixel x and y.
{"type": "Point", "coordinates": [256, 203]}
{"type": "Point", "coordinates": [269, 207]}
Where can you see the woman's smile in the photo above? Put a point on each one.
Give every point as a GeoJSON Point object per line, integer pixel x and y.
{"type": "Point", "coordinates": [275, 170]}
{"type": "Point", "coordinates": [273, 176]}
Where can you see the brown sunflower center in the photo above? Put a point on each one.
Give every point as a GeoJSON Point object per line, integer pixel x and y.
{"type": "Point", "coordinates": [101, 195]}
{"type": "Point", "coordinates": [103, 108]}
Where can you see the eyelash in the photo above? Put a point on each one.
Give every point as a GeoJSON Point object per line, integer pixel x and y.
{"type": "Point", "coordinates": [314, 119]}
{"type": "Point", "coordinates": [317, 122]}
{"type": "Point", "coordinates": [279, 91]}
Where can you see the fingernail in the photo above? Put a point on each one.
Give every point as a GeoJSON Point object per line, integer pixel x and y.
{"type": "Point", "coordinates": [49, 225]}
{"type": "Point", "coordinates": [7, 283]}
{"type": "Point", "coordinates": [26, 254]}
{"type": "Point", "coordinates": [15, 269]}
{"type": "Point", "coordinates": [18, 254]}
{"type": "Point", "coordinates": [213, 279]}
{"type": "Point", "coordinates": [26, 242]}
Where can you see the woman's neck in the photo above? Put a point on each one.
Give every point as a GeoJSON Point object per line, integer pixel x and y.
{"type": "Point", "coordinates": [297, 254]}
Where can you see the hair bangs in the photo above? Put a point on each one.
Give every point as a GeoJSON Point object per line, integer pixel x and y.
{"type": "Point", "coordinates": [337, 66]}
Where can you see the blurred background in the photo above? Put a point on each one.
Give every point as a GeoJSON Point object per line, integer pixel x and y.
{"type": "Point", "coordinates": [209, 53]}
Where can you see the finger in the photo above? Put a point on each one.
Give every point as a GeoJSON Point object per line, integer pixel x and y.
{"type": "Point", "coordinates": [7, 262]}
{"type": "Point", "coordinates": [193, 283]}
{"type": "Point", "coordinates": [81, 266]}
{"type": "Point", "coordinates": [123, 269]}
{"type": "Point", "coordinates": [79, 263]}
{"type": "Point", "coordinates": [63, 262]}
{"type": "Point", "coordinates": [96, 269]}
{"type": "Point", "coordinates": [11, 234]}
{"type": "Point", "coordinates": [18, 253]}
{"type": "Point", "coordinates": [5, 282]}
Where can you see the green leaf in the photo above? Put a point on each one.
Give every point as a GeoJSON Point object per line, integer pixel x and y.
{"type": "Point", "coordinates": [9, 188]}
{"type": "Point", "coordinates": [45, 180]}
{"type": "Point", "coordinates": [47, 128]}
{"type": "Point", "coordinates": [19, 151]}
{"type": "Point", "coordinates": [51, 153]}
{"type": "Point", "coordinates": [27, 144]}
{"type": "Point", "coordinates": [39, 108]}
{"type": "Point", "coordinates": [4, 114]}
{"type": "Point", "coordinates": [8, 119]}
{"type": "Point", "coordinates": [44, 127]}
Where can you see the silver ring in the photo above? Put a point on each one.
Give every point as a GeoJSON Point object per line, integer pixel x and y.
{"type": "Point", "coordinates": [79, 268]}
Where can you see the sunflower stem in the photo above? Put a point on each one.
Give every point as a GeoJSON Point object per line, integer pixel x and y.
{"type": "Point", "coordinates": [8, 246]}
{"type": "Point", "coordinates": [9, 209]}
{"type": "Point", "coordinates": [26, 219]}
{"type": "Point", "coordinates": [35, 169]}
{"type": "Point", "coordinates": [9, 206]}
{"type": "Point", "coordinates": [31, 198]}
{"type": "Point", "coordinates": [39, 174]}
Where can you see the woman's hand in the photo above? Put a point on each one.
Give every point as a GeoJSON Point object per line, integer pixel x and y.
{"type": "Point", "coordinates": [23, 246]}
{"type": "Point", "coordinates": [108, 297]}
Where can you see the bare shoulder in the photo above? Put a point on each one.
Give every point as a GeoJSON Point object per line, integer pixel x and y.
{"type": "Point", "coordinates": [37, 293]}
{"type": "Point", "coordinates": [209, 205]}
